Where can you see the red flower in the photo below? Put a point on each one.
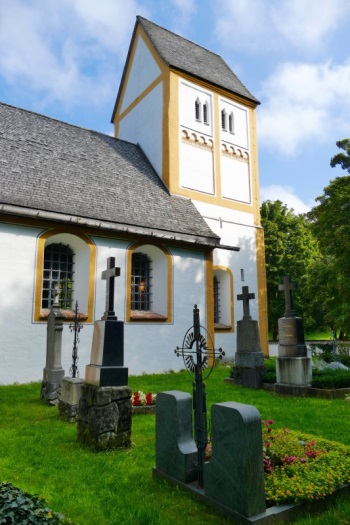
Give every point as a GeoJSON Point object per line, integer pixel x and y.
{"type": "Point", "coordinates": [149, 398]}
{"type": "Point", "coordinates": [136, 399]}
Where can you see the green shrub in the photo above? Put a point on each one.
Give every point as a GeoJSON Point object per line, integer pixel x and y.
{"type": "Point", "coordinates": [18, 507]}
{"type": "Point", "coordinates": [270, 370]}
{"type": "Point", "coordinates": [329, 379]}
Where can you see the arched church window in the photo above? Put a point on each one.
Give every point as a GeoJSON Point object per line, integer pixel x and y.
{"type": "Point", "coordinates": [58, 270]}
{"type": "Point", "coordinates": [216, 300]}
{"type": "Point", "coordinates": [223, 298]}
{"type": "Point", "coordinates": [197, 106]}
{"type": "Point", "coordinates": [224, 120]}
{"type": "Point", "coordinates": [231, 122]}
{"type": "Point", "coordinates": [140, 282]}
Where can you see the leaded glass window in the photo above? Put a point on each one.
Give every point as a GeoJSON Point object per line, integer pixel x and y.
{"type": "Point", "coordinates": [58, 270]}
{"type": "Point", "coordinates": [140, 282]}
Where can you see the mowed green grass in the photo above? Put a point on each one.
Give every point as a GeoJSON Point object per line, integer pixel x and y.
{"type": "Point", "coordinates": [40, 454]}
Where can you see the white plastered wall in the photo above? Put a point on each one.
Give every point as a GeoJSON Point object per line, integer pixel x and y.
{"type": "Point", "coordinates": [142, 123]}
{"type": "Point", "coordinates": [149, 347]}
{"type": "Point", "coordinates": [236, 229]}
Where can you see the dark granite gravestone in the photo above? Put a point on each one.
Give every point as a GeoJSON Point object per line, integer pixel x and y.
{"type": "Point", "coordinates": [293, 366]}
{"type": "Point", "coordinates": [53, 373]}
{"type": "Point", "coordinates": [235, 474]}
{"type": "Point", "coordinates": [105, 407]}
{"type": "Point", "coordinates": [176, 451]}
{"type": "Point", "coordinates": [106, 366]}
{"type": "Point", "coordinates": [249, 360]}
{"type": "Point", "coordinates": [234, 477]}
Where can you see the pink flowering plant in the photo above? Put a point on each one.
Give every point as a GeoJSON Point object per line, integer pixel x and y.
{"type": "Point", "coordinates": [298, 467]}
{"type": "Point", "coordinates": [139, 398]}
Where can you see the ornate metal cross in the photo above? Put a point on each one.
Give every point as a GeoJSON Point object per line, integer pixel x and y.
{"type": "Point", "coordinates": [245, 296]}
{"type": "Point", "coordinates": [287, 288]}
{"type": "Point", "coordinates": [199, 355]}
{"type": "Point", "coordinates": [109, 275]}
{"type": "Point", "coordinates": [75, 327]}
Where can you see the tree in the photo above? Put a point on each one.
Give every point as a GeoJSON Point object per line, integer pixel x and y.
{"type": "Point", "coordinates": [342, 158]}
{"type": "Point", "coordinates": [331, 226]}
{"type": "Point", "coordinates": [290, 247]}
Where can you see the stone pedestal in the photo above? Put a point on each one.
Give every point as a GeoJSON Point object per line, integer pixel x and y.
{"type": "Point", "coordinates": [53, 372]}
{"type": "Point", "coordinates": [234, 476]}
{"type": "Point", "coordinates": [69, 398]}
{"type": "Point", "coordinates": [176, 452]}
{"type": "Point", "coordinates": [107, 355]}
{"type": "Point", "coordinates": [293, 366]}
{"type": "Point", "coordinates": [105, 416]}
{"type": "Point", "coordinates": [249, 360]}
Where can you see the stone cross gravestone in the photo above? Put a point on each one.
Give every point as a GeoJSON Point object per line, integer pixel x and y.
{"type": "Point", "coordinates": [105, 406]}
{"type": "Point", "coordinates": [53, 372]}
{"type": "Point", "coordinates": [107, 354]}
{"type": "Point", "coordinates": [293, 366]}
{"type": "Point", "coordinates": [249, 360]}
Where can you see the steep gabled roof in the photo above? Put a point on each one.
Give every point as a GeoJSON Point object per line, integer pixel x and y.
{"type": "Point", "coordinates": [186, 56]}
{"type": "Point", "coordinates": [53, 170]}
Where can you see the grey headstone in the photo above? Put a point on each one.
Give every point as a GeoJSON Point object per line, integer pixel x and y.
{"type": "Point", "coordinates": [176, 452]}
{"type": "Point", "coordinates": [235, 475]}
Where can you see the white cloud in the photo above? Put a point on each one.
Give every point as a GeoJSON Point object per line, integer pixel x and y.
{"type": "Point", "coordinates": [286, 195]}
{"type": "Point", "coordinates": [65, 51]}
{"type": "Point", "coordinates": [270, 24]}
{"type": "Point", "coordinates": [304, 102]}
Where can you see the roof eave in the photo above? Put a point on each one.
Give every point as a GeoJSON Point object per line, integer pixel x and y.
{"type": "Point", "coordinates": [164, 235]}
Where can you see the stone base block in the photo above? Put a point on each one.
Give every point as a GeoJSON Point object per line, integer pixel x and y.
{"type": "Point", "coordinates": [69, 398]}
{"type": "Point", "coordinates": [294, 371]}
{"type": "Point", "coordinates": [105, 416]}
{"type": "Point", "coordinates": [104, 376]}
{"type": "Point", "coordinates": [249, 377]}
{"type": "Point", "coordinates": [50, 392]}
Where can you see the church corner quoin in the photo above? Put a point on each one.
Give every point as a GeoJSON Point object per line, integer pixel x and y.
{"type": "Point", "coordinates": [173, 198]}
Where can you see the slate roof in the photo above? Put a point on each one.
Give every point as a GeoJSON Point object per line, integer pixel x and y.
{"type": "Point", "coordinates": [186, 56]}
{"type": "Point", "coordinates": [53, 170]}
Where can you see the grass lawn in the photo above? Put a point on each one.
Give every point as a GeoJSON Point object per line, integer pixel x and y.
{"type": "Point", "coordinates": [40, 454]}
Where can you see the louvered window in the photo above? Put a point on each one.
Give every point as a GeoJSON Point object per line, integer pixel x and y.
{"type": "Point", "coordinates": [197, 106]}
{"type": "Point", "coordinates": [224, 120]}
{"type": "Point", "coordinates": [58, 270]}
{"type": "Point", "coordinates": [205, 113]}
{"type": "Point", "coordinates": [231, 123]}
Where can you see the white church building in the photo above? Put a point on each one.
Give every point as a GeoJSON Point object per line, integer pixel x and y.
{"type": "Point", "coordinates": [173, 197]}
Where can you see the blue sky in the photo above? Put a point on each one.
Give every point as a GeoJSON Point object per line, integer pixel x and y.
{"type": "Point", "coordinates": [64, 59]}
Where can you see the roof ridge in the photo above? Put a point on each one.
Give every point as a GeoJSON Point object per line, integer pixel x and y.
{"type": "Point", "coordinates": [140, 18]}
{"type": "Point", "coordinates": [62, 122]}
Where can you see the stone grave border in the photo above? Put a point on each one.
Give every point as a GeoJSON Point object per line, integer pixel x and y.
{"type": "Point", "coordinates": [272, 515]}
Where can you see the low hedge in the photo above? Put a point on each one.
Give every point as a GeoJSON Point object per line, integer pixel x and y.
{"type": "Point", "coordinates": [326, 378]}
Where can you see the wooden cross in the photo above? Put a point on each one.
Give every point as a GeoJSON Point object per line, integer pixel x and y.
{"type": "Point", "coordinates": [245, 296]}
{"type": "Point", "coordinates": [109, 275]}
{"type": "Point", "coordinates": [287, 288]}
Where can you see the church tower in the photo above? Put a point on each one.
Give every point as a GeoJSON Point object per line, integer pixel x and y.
{"type": "Point", "coordinates": [195, 122]}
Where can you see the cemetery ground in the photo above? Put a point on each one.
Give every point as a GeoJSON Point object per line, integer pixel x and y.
{"type": "Point", "coordinates": [40, 454]}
